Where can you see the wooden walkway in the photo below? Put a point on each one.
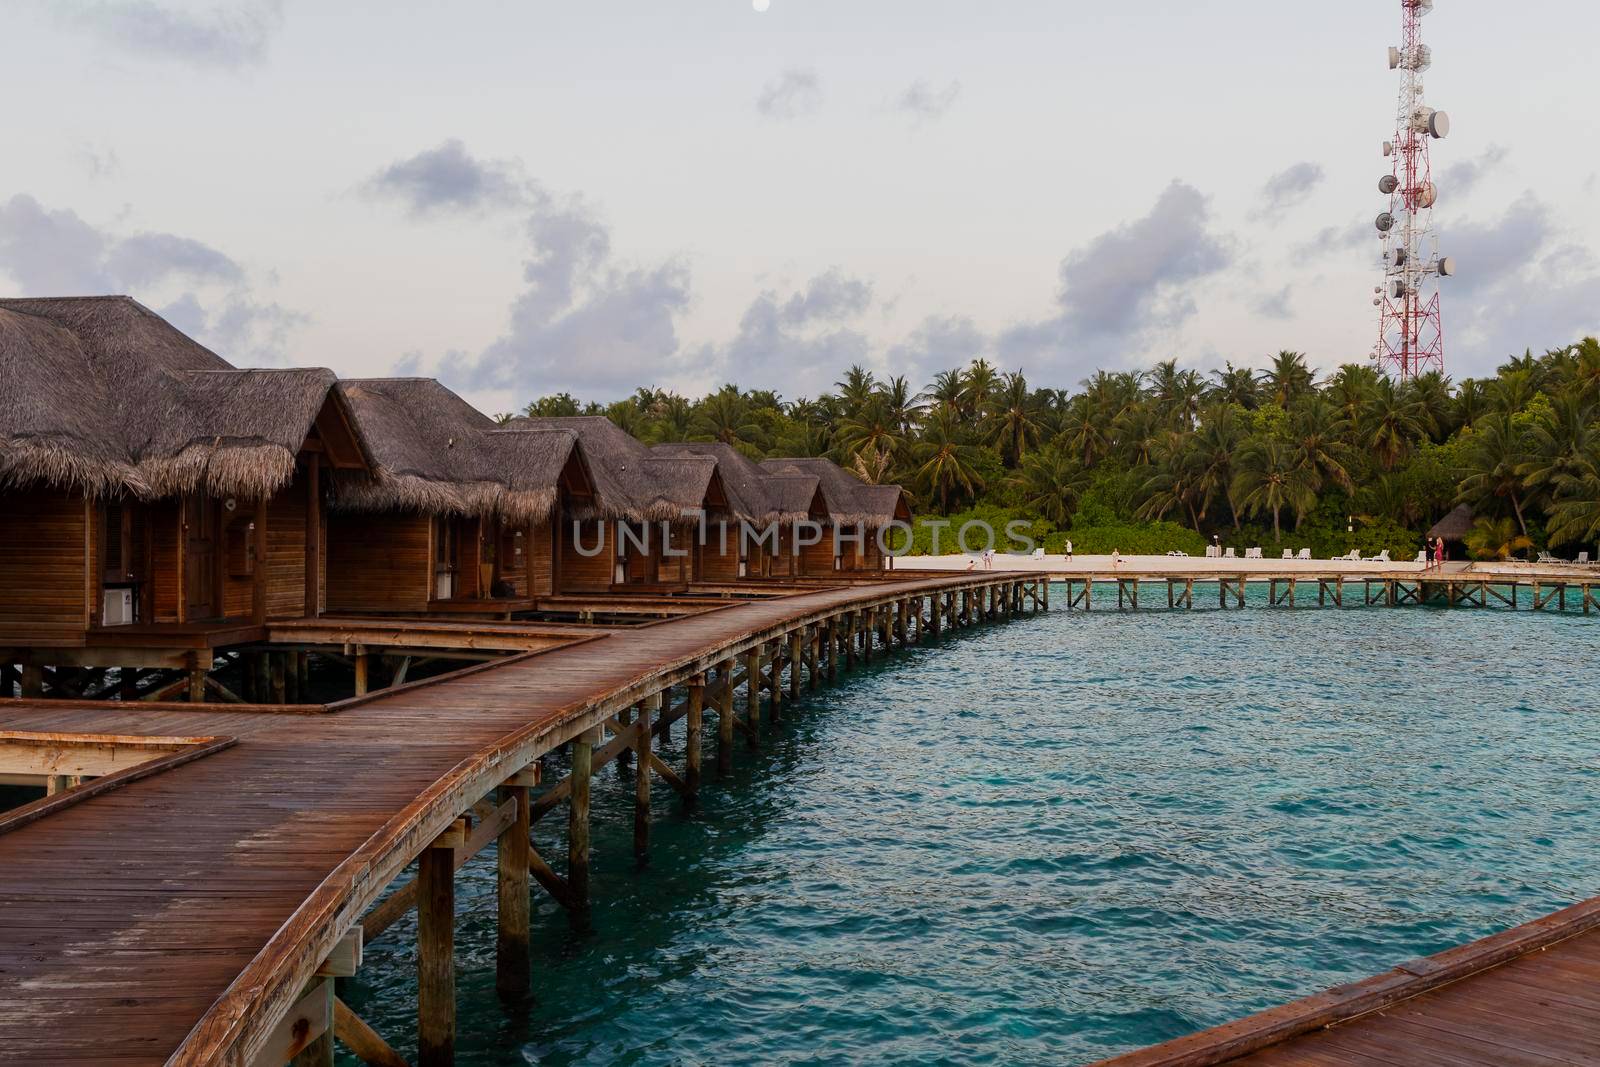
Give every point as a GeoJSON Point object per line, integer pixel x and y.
{"type": "Point", "coordinates": [180, 917]}
{"type": "Point", "coordinates": [1226, 590]}
{"type": "Point", "coordinates": [1527, 997]}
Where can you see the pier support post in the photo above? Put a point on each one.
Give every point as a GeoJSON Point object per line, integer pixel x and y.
{"type": "Point", "coordinates": [578, 824]}
{"type": "Point", "coordinates": [512, 960]}
{"type": "Point", "coordinates": [725, 718]}
{"type": "Point", "coordinates": [641, 778]}
{"type": "Point", "coordinates": [796, 651]}
{"type": "Point", "coordinates": [691, 744]}
{"type": "Point", "coordinates": [280, 682]}
{"type": "Point", "coordinates": [776, 658]}
{"type": "Point", "coordinates": [32, 680]}
{"type": "Point", "coordinates": [866, 635]}
{"type": "Point", "coordinates": [831, 636]}
{"type": "Point", "coordinates": [436, 968]}
{"type": "Point", "coordinates": [360, 662]}
{"type": "Point", "coordinates": [752, 695]}
{"type": "Point", "coordinates": [849, 636]}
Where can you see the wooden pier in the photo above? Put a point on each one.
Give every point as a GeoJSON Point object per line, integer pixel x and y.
{"type": "Point", "coordinates": [1526, 996]}
{"type": "Point", "coordinates": [1554, 591]}
{"type": "Point", "coordinates": [195, 902]}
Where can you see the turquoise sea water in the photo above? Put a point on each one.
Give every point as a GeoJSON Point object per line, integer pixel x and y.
{"type": "Point", "coordinates": [1060, 838]}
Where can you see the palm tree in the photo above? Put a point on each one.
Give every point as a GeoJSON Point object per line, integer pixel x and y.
{"type": "Point", "coordinates": [903, 408]}
{"type": "Point", "coordinates": [1288, 378]}
{"type": "Point", "coordinates": [1178, 479]}
{"type": "Point", "coordinates": [1557, 442]}
{"type": "Point", "coordinates": [981, 381]}
{"type": "Point", "coordinates": [1051, 481]}
{"type": "Point", "coordinates": [872, 429]}
{"type": "Point", "coordinates": [856, 388]}
{"type": "Point", "coordinates": [1217, 441]}
{"type": "Point", "coordinates": [727, 416]}
{"type": "Point", "coordinates": [1316, 429]}
{"type": "Point", "coordinates": [947, 389]}
{"type": "Point", "coordinates": [673, 420]}
{"type": "Point", "coordinates": [1012, 425]}
{"type": "Point", "coordinates": [1269, 479]}
{"type": "Point", "coordinates": [1472, 400]}
{"type": "Point", "coordinates": [1494, 457]}
{"type": "Point", "coordinates": [1575, 515]}
{"type": "Point", "coordinates": [946, 462]}
{"type": "Point", "coordinates": [1082, 430]}
{"type": "Point", "coordinates": [1496, 539]}
{"type": "Point", "coordinates": [1392, 423]}
{"type": "Point", "coordinates": [1432, 393]}
{"type": "Point", "coordinates": [1236, 385]}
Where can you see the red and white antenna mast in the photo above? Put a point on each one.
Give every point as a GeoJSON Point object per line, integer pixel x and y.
{"type": "Point", "coordinates": [1411, 330]}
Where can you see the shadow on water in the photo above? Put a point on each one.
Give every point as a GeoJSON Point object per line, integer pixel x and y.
{"type": "Point", "coordinates": [1056, 839]}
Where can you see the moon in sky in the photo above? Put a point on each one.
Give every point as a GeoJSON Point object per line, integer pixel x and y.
{"type": "Point", "coordinates": [760, 5]}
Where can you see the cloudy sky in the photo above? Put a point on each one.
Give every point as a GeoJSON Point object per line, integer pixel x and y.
{"type": "Point", "coordinates": [524, 196]}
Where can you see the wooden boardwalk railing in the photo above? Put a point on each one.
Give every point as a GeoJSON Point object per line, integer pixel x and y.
{"type": "Point", "coordinates": [190, 916]}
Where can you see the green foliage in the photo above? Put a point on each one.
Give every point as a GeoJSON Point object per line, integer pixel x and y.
{"type": "Point", "coordinates": [1140, 458]}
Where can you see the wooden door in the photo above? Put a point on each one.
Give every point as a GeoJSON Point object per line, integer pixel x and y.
{"type": "Point", "coordinates": [200, 557]}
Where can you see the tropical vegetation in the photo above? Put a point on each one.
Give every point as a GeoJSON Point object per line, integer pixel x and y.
{"type": "Point", "coordinates": [1171, 457]}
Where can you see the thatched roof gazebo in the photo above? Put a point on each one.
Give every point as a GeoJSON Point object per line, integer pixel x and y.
{"type": "Point", "coordinates": [1454, 526]}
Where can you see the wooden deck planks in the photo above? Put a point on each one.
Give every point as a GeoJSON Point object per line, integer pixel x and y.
{"type": "Point", "coordinates": [230, 865]}
{"type": "Point", "coordinates": [1538, 1009]}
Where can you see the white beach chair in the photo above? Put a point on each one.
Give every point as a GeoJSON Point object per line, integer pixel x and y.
{"type": "Point", "coordinates": [1422, 557]}
{"type": "Point", "coordinates": [1038, 553]}
{"type": "Point", "coordinates": [1255, 553]}
{"type": "Point", "coordinates": [1288, 553]}
{"type": "Point", "coordinates": [1305, 553]}
{"type": "Point", "coordinates": [1227, 553]}
{"type": "Point", "coordinates": [1381, 557]}
{"type": "Point", "coordinates": [1583, 559]}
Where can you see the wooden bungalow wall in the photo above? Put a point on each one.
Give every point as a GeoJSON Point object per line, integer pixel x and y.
{"type": "Point", "coordinates": [44, 567]}
{"type": "Point", "coordinates": [585, 574]}
{"type": "Point", "coordinates": [379, 562]}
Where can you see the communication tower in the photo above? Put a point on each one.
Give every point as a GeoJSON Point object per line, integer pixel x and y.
{"type": "Point", "coordinates": [1411, 329]}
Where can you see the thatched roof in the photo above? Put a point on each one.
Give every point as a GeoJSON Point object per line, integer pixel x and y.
{"type": "Point", "coordinates": [754, 493]}
{"type": "Point", "coordinates": [102, 395]}
{"type": "Point", "coordinates": [850, 501]}
{"type": "Point", "coordinates": [435, 453]}
{"type": "Point", "coordinates": [1454, 526]}
{"type": "Point", "coordinates": [631, 481]}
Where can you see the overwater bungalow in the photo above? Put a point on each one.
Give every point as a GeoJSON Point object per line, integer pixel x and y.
{"type": "Point", "coordinates": [857, 512]}
{"type": "Point", "coordinates": [764, 531]}
{"type": "Point", "coordinates": [458, 515]}
{"type": "Point", "coordinates": [639, 533]}
{"type": "Point", "coordinates": [155, 501]}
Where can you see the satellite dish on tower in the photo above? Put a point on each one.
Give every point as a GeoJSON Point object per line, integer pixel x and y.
{"type": "Point", "coordinates": [1388, 184]}
{"type": "Point", "coordinates": [1388, 149]}
{"type": "Point", "coordinates": [1428, 195]}
{"type": "Point", "coordinates": [1385, 222]}
{"type": "Point", "coordinates": [1447, 267]}
{"type": "Point", "coordinates": [1394, 58]}
{"type": "Point", "coordinates": [1439, 125]}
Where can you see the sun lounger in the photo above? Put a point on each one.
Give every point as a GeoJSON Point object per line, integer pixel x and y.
{"type": "Point", "coordinates": [1422, 557]}
{"type": "Point", "coordinates": [1381, 557]}
{"type": "Point", "coordinates": [1227, 553]}
{"type": "Point", "coordinates": [1583, 559]}
{"type": "Point", "coordinates": [1305, 553]}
